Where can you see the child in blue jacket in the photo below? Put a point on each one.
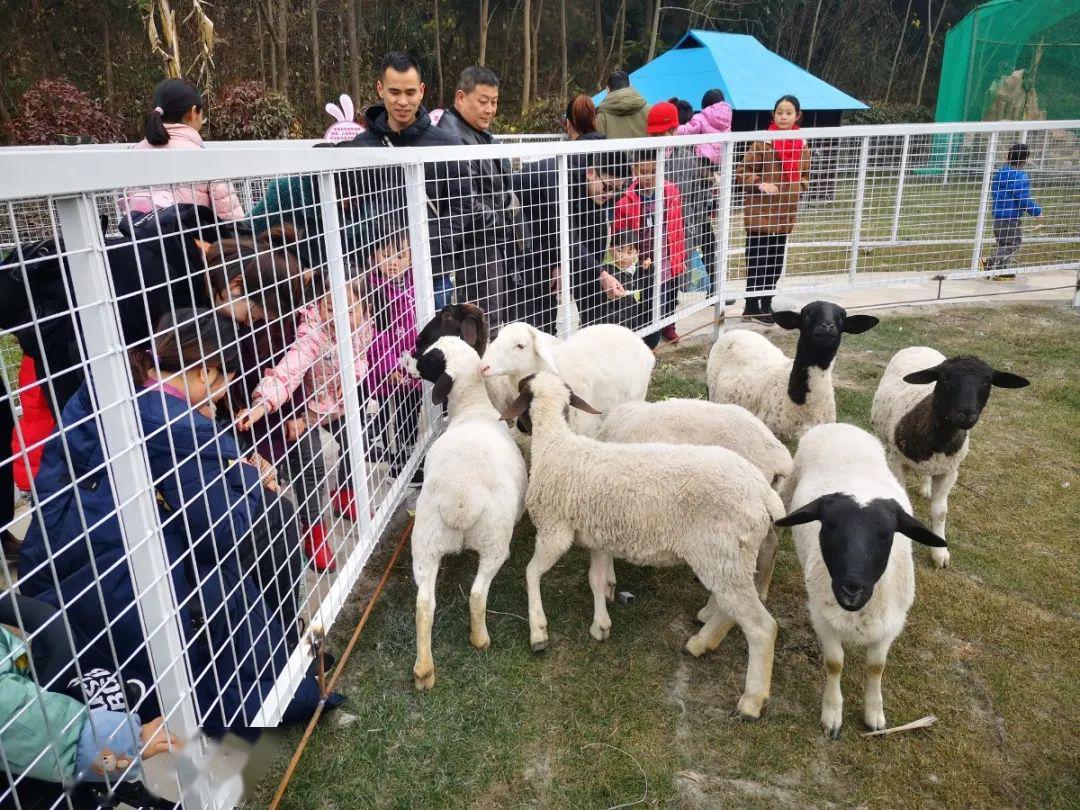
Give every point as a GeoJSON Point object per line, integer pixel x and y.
{"type": "Point", "coordinates": [1010, 193]}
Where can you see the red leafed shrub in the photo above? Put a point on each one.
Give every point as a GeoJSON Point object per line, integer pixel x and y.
{"type": "Point", "coordinates": [53, 107]}
{"type": "Point", "coordinates": [247, 111]}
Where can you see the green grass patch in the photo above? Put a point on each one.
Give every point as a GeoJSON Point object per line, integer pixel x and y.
{"type": "Point", "coordinates": [990, 646]}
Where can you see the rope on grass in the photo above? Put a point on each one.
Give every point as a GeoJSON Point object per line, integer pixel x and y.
{"type": "Point", "coordinates": [295, 761]}
{"type": "Point", "coordinates": [644, 795]}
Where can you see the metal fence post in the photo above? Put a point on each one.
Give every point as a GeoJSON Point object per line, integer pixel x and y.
{"type": "Point", "coordinates": [722, 242]}
{"type": "Point", "coordinates": [658, 238]}
{"type": "Point", "coordinates": [984, 194]}
{"type": "Point", "coordinates": [565, 293]}
{"type": "Point", "coordinates": [948, 160]}
{"type": "Point", "coordinates": [860, 194]}
{"type": "Point", "coordinates": [113, 394]}
{"type": "Point", "coordinates": [339, 297]}
{"type": "Point", "coordinates": [420, 242]}
{"type": "Point", "coordinates": [900, 189]}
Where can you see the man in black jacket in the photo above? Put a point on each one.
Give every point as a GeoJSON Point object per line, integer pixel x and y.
{"type": "Point", "coordinates": [476, 234]}
{"type": "Point", "coordinates": [401, 120]}
{"type": "Point", "coordinates": [594, 181]}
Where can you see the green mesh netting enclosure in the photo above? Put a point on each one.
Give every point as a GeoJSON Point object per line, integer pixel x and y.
{"type": "Point", "coordinates": [1013, 60]}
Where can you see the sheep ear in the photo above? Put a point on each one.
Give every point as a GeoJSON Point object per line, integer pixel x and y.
{"type": "Point", "coordinates": [786, 319]}
{"type": "Point", "coordinates": [857, 324]}
{"type": "Point", "coordinates": [1003, 379]}
{"type": "Point", "coordinates": [347, 107]}
{"type": "Point", "coordinates": [518, 406]}
{"type": "Point", "coordinates": [442, 388]}
{"type": "Point", "coordinates": [474, 327]}
{"type": "Point", "coordinates": [805, 514]}
{"type": "Point", "coordinates": [924, 377]}
{"type": "Point", "coordinates": [335, 111]}
{"type": "Point", "coordinates": [582, 405]}
{"type": "Point", "coordinates": [543, 351]}
{"type": "Point", "coordinates": [913, 528]}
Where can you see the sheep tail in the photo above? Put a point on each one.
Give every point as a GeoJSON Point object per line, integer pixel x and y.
{"type": "Point", "coordinates": [774, 505]}
{"type": "Point", "coordinates": [461, 508]}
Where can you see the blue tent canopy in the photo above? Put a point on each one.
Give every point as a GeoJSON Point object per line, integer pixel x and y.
{"type": "Point", "coordinates": [751, 76]}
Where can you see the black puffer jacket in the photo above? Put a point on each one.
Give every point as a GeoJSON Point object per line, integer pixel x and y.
{"type": "Point", "coordinates": [480, 216]}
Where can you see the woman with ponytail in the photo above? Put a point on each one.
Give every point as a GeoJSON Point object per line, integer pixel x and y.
{"type": "Point", "coordinates": [580, 117]}
{"type": "Point", "coordinates": [174, 122]}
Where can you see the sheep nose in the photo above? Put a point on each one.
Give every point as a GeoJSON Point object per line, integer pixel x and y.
{"type": "Point", "coordinates": [966, 419]}
{"type": "Point", "coordinates": [851, 592]}
{"type": "Point", "coordinates": [485, 371]}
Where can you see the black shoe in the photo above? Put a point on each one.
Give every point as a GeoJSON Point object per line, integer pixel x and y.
{"type": "Point", "coordinates": [329, 659]}
{"type": "Point", "coordinates": [11, 548]}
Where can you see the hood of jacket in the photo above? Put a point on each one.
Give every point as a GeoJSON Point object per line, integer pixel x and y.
{"type": "Point", "coordinates": [718, 116]}
{"type": "Point", "coordinates": [626, 101]}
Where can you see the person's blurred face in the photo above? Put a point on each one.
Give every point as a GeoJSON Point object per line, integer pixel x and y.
{"type": "Point", "coordinates": [479, 107]}
{"type": "Point", "coordinates": [401, 92]}
{"type": "Point", "coordinates": [785, 116]}
{"type": "Point", "coordinates": [601, 188]}
{"type": "Point", "coordinates": [645, 172]}
{"type": "Point", "coordinates": [625, 256]}
{"type": "Point", "coordinates": [393, 258]}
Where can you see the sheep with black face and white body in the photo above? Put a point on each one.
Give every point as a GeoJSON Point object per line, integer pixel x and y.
{"type": "Point", "coordinates": [651, 504]}
{"type": "Point", "coordinates": [790, 395]}
{"type": "Point", "coordinates": [926, 431]}
{"type": "Point", "coordinates": [473, 493]}
{"type": "Point", "coordinates": [852, 522]}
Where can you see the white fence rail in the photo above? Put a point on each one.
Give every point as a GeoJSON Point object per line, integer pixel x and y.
{"type": "Point", "coordinates": [179, 556]}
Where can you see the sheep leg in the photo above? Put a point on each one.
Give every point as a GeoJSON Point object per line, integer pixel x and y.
{"type": "Point", "coordinates": [744, 607]}
{"type": "Point", "coordinates": [873, 705]}
{"type": "Point", "coordinates": [708, 638]}
{"type": "Point", "coordinates": [766, 562]}
{"type": "Point", "coordinates": [832, 699]}
{"type": "Point", "coordinates": [551, 544]}
{"type": "Point", "coordinates": [926, 489]}
{"type": "Point", "coordinates": [707, 611]}
{"type": "Point", "coordinates": [600, 564]}
{"type": "Point", "coordinates": [896, 467]}
{"type": "Point", "coordinates": [489, 566]}
{"type": "Point", "coordinates": [611, 582]}
{"type": "Point", "coordinates": [939, 509]}
{"type": "Point", "coordinates": [425, 571]}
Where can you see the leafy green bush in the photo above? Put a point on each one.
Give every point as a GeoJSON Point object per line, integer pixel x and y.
{"type": "Point", "coordinates": [542, 117]}
{"type": "Point", "coordinates": [247, 111]}
{"type": "Point", "coordinates": [890, 113]}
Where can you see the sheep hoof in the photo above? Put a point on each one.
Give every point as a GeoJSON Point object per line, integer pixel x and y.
{"type": "Point", "coordinates": [696, 647]}
{"type": "Point", "coordinates": [600, 632]}
{"type": "Point", "coordinates": [480, 642]}
{"type": "Point", "coordinates": [940, 557]}
{"type": "Point", "coordinates": [875, 721]}
{"type": "Point", "coordinates": [424, 681]}
{"type": "Point", "coordinates": [750, 706]}
{"type": "Point", "coordinates": [538, 640]}
{"type": "Point", "coordinates": [832, 720]}
{"type": "Point", "coordinates": [539, 646]}
{"type": "Point", "coordinates": [832, 733]}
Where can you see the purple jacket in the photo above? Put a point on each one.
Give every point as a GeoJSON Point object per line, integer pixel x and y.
{"type": "Point", "coordinates": [713, 119]}
{"type": "Point", "coordinates": [394, 303]}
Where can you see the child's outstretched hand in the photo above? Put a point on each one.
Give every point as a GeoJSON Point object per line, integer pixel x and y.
{"type": "Point", "coordinates": [155, 740]}
{"type": "Point", "coordinates": [397, 378]}
{"type": "Point", "coordinates": [249, 416]}
{"type": "Point", "coordinates": [295, 428]}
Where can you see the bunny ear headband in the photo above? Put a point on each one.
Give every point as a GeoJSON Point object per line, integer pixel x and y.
{"type": "Point", "coordinates": [343, 114]}
{"type": "Point", "coordinates": [344, 127]}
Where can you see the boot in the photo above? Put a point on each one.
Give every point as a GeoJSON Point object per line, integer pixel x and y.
{"type": "Point", "coordinates": [318, 551]}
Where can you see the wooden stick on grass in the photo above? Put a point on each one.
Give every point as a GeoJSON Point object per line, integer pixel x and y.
{"type": "Point", "coordinates": [929, 720]}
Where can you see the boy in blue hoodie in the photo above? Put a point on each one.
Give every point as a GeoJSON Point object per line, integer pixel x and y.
{"type": "Point", "coordinates": [1010, 193]}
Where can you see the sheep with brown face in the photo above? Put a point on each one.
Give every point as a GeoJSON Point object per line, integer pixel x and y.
{"type": "Point", "coordinates": [650, 504]}
{"type": "Point", "coordinates": [925, 430]}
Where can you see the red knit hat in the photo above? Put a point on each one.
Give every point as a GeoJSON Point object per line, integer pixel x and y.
{"type": "Point", "coordinates": [663, 117]}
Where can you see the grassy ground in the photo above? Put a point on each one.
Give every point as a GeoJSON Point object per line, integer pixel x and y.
{"type": "Point", "coordinates": [990, 646]}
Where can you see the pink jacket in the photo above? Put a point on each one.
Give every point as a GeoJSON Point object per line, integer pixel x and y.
{"type": "Point", "coordinates": [716, 118]}
{"type": "Point", "coordinates": [312, 360]}
{"type": "Point", "coordinates": [218, 196]}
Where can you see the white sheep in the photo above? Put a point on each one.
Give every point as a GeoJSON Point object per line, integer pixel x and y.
{"type": "Point", "coordinates": [606, 365]}
{"type": "Point", "coordinates": [926, 431]}
{"type": "Point", "coordinates": [651, 504]}
{"type": "Point", "coordinates": [473, 493]}
{"type": "Point", "coordinates": [860, 581]}
{"type": "Point", "coordinates": [789, 395]}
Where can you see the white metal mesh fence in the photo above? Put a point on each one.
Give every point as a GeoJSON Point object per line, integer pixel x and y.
{"type": "Point", "coordinates": [209, 422]}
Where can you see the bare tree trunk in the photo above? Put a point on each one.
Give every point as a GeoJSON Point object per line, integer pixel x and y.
{"type": "Point", "coordinates": [44, 29]}
{"type": "Point", "coordinates": [932, 32]}
{"type": "Point", "coordinates": [598, 21]}
{"type": "Point", "coordinates": [813, 35]}
{"type": "Point", "coordinates": [283, 55]}
{"type": "Point", "coordinates": [316, 68]}
{"type": "Point", "coordinates": [526, 59]}
{"type": "Point", "coordinates": [536, 50]}
{"type": "Point", "coordinates": [273, 49]}
{"type": "Point", "coordinates": [899, 47]}
{"type": "Point", "coordinates": [260, 43]}
{"type": "Point", "coordinates": [655, 30]}
{"type": "Point", "coordinates": [349, 12]}
{"type": "Point", "coordinates": [611, 48]}
{"type": "Point", "coordinates": [622, 35]}
{"type": "Point", "coordinates": [438, 57]}
{"type": "Point", "coordinates": [110, 88]}
{"type": "Point", "coordinates": [562, 33]}
{"type": "Point", "coordinates": [483, 31]}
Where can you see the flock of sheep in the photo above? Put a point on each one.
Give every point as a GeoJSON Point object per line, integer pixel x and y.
{"type": "Point", "coordinates": [596, 466]}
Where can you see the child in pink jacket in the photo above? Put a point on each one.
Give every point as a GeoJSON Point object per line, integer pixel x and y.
{"type": "Point", "coordinates": [313, 361]}
{"type": "Point", "coordinates": [174, 123]}
{"type": "Point", "coordinates": [714, 118]}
